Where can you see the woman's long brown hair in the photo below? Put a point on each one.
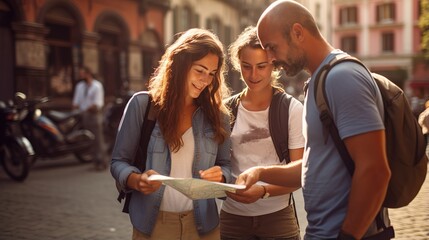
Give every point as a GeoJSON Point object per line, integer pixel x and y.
{"type": "Point", "coordinates": [167, 86]}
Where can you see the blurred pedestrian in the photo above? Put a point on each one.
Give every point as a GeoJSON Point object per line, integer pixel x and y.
{"type": "Point", "coordinates": [252, 145]}
{"type": "Point", "coordinates": [89, 99]}
{"type": "Point", "coordinates": [190, 140]}
{"type": "Point", "coordinates": [338, 205]}
{"type": "Point", "coordinates": [424, 123]}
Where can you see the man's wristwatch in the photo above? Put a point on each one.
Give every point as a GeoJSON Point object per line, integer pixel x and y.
{"type": "Point", "coordinates": [266, 194]}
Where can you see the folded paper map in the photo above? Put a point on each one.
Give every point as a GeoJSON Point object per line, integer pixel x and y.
{"type": "Point", "coordinates": [195, 188]}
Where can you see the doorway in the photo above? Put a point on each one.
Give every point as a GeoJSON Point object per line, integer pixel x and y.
{"type": "Point", "coordinates": [7, 53]}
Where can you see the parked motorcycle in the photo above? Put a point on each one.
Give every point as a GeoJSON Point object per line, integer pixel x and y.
{"type": "Point", "coordinates": [16, 152]}
{"type": "Point", "coordinates": [54, 133]}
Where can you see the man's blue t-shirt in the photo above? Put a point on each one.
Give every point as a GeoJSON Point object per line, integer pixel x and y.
{"type": "Point", "coordinates": [357, 108]}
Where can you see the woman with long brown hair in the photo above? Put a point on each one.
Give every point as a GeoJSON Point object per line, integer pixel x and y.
{"type": "Point", "coordinates": [190, 140]}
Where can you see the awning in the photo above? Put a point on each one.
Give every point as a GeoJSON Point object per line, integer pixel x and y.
{"type": "Point", "coordinates": [419, 83]}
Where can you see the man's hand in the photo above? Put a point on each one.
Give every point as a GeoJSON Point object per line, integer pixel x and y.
{"type": "Point", "coordinates": [249, 177]}
{"type": "Point", "coordinates": [250, 195]}
{"type": "Point", "coordinates": [93, 109]}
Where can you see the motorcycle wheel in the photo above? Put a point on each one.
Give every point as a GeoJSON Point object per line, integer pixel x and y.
{"type": "Point", "coordinates": [84, 156]}
{"type": "Point", "coordinates": [15, 162]}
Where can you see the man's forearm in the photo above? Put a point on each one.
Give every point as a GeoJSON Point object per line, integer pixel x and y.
{"type": "Point", "coordinates": [366, 197]}
{"type": "Point", "coordinates": [369, 182]}
{"type": "Point", "coordinates": [283, 175]}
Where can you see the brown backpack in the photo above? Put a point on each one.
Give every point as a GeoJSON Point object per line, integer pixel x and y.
{"type": "Point", "coordinates": [405, 143]}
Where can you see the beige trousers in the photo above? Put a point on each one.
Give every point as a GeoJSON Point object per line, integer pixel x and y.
{"type": "Point", "coordinates": [170, 226]}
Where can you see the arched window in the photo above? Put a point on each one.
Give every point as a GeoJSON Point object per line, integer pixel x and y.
{"type": "Point", "coordinates": [112, 47]}
{"type": "Point", "coordinates": [185, 18]}
{"type": "Point", "coordinates": [63, 39]}
{"type": "Point", "coordinates": [151, 54]}
{"type": "Point", "coordinates": [223, 31]}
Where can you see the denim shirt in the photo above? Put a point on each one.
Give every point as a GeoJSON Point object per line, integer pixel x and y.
{"type": "Point", "coordinates": [143, 208]}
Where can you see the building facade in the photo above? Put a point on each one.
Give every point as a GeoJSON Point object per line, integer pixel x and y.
{"type": "Point", "coordinates": [225, 18]}
{"type": "Point", "coordinates": [322, 12]}
{"type": "Point", "coordinates": [221, 17]}
{"type": "Point", "coordinates": [44, 42]}
{"type": "Point", "coordinates": [386, 36]}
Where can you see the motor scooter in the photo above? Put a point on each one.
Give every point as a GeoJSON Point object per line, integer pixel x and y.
{"type": "Point", "coordinates": [54, 133]}
{"type": "Point", "coordinates": [16, 152]}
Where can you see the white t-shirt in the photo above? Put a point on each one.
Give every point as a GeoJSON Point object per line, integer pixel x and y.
{"type": "Point", "coordinates": [87, 95]}
{"type": "Point", "coordinates": [181, 167]}
{"type": "Point", "coordinates": [252, 146]}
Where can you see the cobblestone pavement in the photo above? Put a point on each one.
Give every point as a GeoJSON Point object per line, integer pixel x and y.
{"type": "Point", "coordinates": [412, 222]}
{"type": "Point", "coordinates": [63, 199]}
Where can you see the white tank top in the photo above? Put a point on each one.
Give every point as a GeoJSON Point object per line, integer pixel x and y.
{"type": "Point", "coordinates": [181, 167]}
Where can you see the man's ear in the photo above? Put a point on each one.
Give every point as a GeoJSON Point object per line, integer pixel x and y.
{"type": "Point", "coordinates": [297, 32]}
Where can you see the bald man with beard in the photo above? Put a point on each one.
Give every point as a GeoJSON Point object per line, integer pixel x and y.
{"type": "Point", "coordinates": [338, 205]}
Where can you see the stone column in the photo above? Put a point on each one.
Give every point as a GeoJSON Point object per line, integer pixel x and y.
{"type": "Point", "coordinates": [30, 58]}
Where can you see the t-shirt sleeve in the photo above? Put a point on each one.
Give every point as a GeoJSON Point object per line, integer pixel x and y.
{"type": "Point", "coordinates": [77, 95]}
{"type": "Point", "coordinates": [296, 139]}
{"type": "Point", "coordinates": [99, 99]}
{"type": "Point", "coordinates": [354, 100]}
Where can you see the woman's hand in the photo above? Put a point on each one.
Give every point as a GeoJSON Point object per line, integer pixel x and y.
{"type": "Point", "coordinates": [213, 174]}
{"type": "Point", "coordinates": [141, 183]}
{"type": "Point", "coordinates": [250, 195]}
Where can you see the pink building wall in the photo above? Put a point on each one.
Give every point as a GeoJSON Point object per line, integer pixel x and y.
{"type": "Point", "coordinates": [416, 30]}
{"type": "Point", "coordinates": [401, 63]}
{"type": "Point", "coordinates": [376, 30]}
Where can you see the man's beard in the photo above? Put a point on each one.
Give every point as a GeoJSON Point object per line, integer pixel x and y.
{"type": "Point", "coordinates": [294, 69]}
{"type": "Point", "coordinates": [294, 63]}
{"type": "Point", "coordinates": [296, 59]}
{"type": "Point", "coordinates": [290, 70]}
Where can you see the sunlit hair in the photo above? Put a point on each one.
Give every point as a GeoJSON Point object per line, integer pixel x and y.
{"type": "Point", "coordinates": [168, 85]}
{"type": "Point", "coordinates": [249, 38]}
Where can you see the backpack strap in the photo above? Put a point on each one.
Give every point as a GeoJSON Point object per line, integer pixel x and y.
{"type": "Point", "coordinates": [325, 113]}
{"type": "Point", "coordinates": [279, 131]}
{"type": "Point", "coordinates": [232, 104]}
{"type": "Point", "coordinates": [146, 130]}
{"type": "Point", "coordinates": [279, 123]}
{"type": "Point", "coordinates": [140, 156]}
